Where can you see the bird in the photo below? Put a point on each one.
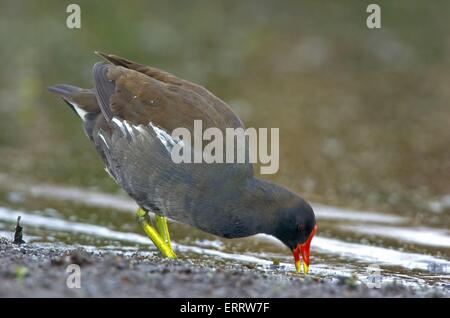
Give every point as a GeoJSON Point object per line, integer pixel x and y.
{"type": "Point", "coordinates": [129, 115]}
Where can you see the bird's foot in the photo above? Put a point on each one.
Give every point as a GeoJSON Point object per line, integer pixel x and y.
{"type": "Point", "coordinates": [159, 237]}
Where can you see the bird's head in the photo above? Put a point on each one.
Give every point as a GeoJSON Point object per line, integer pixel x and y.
{"type": "Point", "coordinates": [296, 228]}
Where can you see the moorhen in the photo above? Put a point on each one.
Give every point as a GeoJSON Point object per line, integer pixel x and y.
{"type": "Point", "coordinates": [129, 115]}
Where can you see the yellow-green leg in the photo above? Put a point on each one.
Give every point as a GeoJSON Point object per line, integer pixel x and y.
{"type": "Point", "coordinates": [163, 229]}
{"type": "Point", "coordinates": [161, 239]}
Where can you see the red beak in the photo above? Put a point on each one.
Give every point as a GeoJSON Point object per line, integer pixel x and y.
{"type": "Point", "coordinates": [303, 250]}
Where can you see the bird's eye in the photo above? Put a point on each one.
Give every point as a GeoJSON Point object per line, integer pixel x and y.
{"type": "Point", "coordinates": [301, 227]}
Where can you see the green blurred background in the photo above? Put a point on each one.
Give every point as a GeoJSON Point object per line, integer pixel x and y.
{"type": "Point", "coordinates": [364, 115]}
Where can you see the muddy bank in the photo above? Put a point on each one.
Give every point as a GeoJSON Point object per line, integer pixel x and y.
{"type": "Point", "coordinates": [40, 270]}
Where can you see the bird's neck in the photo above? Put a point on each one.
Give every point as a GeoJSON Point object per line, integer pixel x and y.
{"type": "Point", "coordinates": [262, 202]}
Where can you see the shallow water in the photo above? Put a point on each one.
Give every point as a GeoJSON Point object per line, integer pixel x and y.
{"type": "Point", "coordinates": [350, 242]}
{"type": "Point", "coordinates": [363, 120]}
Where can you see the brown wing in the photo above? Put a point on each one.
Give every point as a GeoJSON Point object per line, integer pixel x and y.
{"type": "Point", "coordinates": [142, 94]}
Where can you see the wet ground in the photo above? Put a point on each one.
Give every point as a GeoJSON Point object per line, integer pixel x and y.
{"type": "Point", "coordinates": [374, 251]}
{"type": "Point", "coordinates": [363, 118]}
{"type": "Point", "coordinates": [42, 270]}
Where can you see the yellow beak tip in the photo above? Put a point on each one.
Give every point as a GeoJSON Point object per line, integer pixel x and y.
{"type": "Point", "coordinates": [305, 269]}
{"type": "Point", "coordinates": [297, 267]}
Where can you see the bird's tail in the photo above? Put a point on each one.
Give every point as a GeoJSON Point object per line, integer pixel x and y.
{"type": "Point", "coordinates": [81, 100]}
